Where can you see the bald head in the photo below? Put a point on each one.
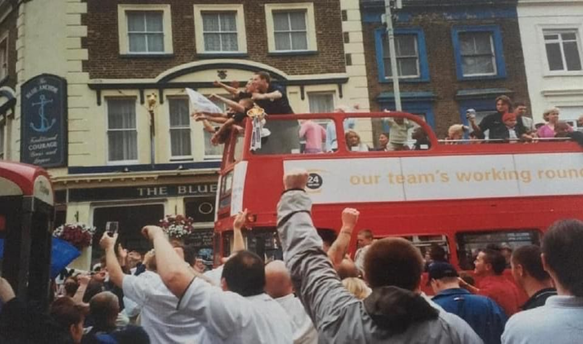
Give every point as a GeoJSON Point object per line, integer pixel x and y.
{"type": "Point", "coordinates": [347, 269]}
{"type": "Point", "coordinates": [104, 308]}
{"type": "Point", "coordinates": [277, 280]}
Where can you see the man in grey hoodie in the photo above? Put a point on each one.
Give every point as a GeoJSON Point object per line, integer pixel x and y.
{"type": "Point", "coordinates": [394, 311]}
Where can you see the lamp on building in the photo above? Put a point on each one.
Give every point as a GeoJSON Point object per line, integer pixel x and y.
{"type": "Point", "coordinates": [152, 101]}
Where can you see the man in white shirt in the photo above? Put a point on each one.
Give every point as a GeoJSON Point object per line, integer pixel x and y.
{"type": "Point", "coordinates": [159, 316]}
{"type": "Point", "coordinates": [559, 320]}
{"type": "Point", "coordinates": [278, 285]}
{"type": "Point", "coordinates": [241, 312]}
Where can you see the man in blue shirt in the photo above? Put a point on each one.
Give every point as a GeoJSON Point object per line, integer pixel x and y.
{"type": "Point", "coordinates": [480, 312]}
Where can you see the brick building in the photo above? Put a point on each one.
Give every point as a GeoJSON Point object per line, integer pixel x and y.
{"type": "Point", "coordinates": [452, 55]}
{"type": "Point", "coordinates": [103, 58]}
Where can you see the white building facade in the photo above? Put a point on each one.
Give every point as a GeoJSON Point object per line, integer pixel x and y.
{"type": "Point", "coordinates": [552, 41]}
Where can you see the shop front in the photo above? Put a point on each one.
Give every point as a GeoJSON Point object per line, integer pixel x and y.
{"type": "Point", "coordinates": [132, 203]}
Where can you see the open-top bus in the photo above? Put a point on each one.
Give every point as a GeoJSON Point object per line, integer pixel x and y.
{"type": "Point", "coordinates": [460, 196]}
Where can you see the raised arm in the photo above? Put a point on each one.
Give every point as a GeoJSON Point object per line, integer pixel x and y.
{"type": "Point", "coordinates": [338, 249]}
{"type": "Point", "coordinates": [316, 281]}
{"type": "Point", "coordinates": [238, 241]}
{"type": "Point", "coordinates": [230, 89]}
{"type": "Point", "coordinates": [264, 96]}
{"type": "Point", "coordinates": [231, 103]}
{"type": "Point", "coordinates": [115, 271]}
{"type": "Point", "coordinates": [171, 268]}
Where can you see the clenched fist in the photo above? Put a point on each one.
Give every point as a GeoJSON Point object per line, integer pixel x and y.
{"type": "Point", "coordinates": [295, 179]}
{"type": "Point", "coordinates": [350, 217]}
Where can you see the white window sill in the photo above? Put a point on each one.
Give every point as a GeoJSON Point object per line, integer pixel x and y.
{"type": "Point", "coordinates": [122, 162]}
{"type": "Point", "coordinates": [563, 74]}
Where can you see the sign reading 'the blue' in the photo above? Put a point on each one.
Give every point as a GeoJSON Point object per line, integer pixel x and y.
{"type": "Point", "coordinates": [44, 121]}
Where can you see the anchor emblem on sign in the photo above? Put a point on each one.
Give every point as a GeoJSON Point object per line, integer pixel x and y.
{"type": "Point", "coordinates": [44, 121]}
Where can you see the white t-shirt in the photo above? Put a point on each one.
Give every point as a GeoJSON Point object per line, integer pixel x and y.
{"type": "Point", "coordinates": [159, 316]}
{"type": "Point", "coordinates": [236, 319]}
{"type": "Point", "coordinates": [304, 331]}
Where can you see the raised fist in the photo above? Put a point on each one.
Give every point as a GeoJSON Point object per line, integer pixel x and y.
{"type": "Point", "coordinates": [295, 179]}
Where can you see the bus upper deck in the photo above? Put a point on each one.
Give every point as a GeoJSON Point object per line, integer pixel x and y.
{"type": "Point", "coordinates": [460, 196]}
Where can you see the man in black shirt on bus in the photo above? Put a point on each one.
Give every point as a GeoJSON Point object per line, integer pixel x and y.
{"type": "Point", "coordinates": [273, 99]}
{"type": "Point", "coordinates": [494, 121]}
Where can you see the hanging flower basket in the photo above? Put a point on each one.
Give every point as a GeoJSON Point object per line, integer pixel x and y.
{"type": "Point", "coordinates": [177, 226]}
{"type": "Point", "coordinates": [77, 234]}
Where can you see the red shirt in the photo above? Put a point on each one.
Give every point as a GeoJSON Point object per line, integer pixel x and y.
{"type": "Point", "coordinates": [501, 290]}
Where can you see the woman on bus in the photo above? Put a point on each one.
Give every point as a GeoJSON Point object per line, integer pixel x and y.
{"type": "Point", "coordinates": [383, 142]}
{"type": "Point", "coordinates": [353, 142]}
{"type": "Point", "coordinates": [548, 130]}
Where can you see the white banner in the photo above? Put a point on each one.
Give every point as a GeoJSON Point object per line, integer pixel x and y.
{"type": "Point", "coordinates": [441, 178]}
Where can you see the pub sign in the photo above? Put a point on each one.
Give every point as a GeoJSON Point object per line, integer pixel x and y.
{"type": "Point", "coordinates": [44, 121]}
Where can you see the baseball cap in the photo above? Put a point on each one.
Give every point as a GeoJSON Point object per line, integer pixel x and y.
{"type": "Point", "coordinates": [438, 270]}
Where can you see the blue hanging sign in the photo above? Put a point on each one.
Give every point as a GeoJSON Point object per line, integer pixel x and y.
{"type": "Point", "coordinates": [44, 121]}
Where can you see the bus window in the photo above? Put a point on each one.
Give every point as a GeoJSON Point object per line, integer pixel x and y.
{"type": "Point", "coordinates": [290, 136]}
{"type": "Point", "coordinates": [263, 241]}
{"type": "Point", "coordinates": [391, 133]}
{"type": "Point", "coordinates": [426, 243]}
{"type": "Point", "coordinates": [470, 243]}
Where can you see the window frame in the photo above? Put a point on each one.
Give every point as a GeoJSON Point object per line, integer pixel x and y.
{"type": "Point", "coordinates": [5, 40]}
{"type": "Point", "coordinates": [240, 22]}
{"type": "Point", "coordinates": [496, 41]}
{"type": "Point", "coordinates": [124, 41]}
{"type": "Point", "coordinates": [3, 138]}
{"type": "Point", "coordinates": [578, 29]}
{"type": "Point", "coordinates": [422, 62]}
{"type": "Point", "coordinates": [170, 127]}
{"type": "Point", "coordinates": [310, 27]}
{"type": "Point", "coordinates": [121, 162]}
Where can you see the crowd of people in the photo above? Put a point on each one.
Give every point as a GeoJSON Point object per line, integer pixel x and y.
{"type": "Point", "coordinates": [318, 294]}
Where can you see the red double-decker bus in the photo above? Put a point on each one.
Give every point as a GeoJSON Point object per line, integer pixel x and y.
{"type": "Point", "coordinates": [460, 196]}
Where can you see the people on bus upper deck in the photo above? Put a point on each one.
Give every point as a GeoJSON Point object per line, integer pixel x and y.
{"type": "Point", "coordinates": [530, 275]}
{"type": "Point", "coordinates": [398, 132]}
{"type": "Point", "coordinates": [480, 312]}
{"type": "Point", "coordinates": [279, 286]}
{"type": "Point", "coordinates": [421, 139]}
{"type": "Point", "coordinates": [455, 133]}
{"type": "Point", "coordinates": [548, 130]}
{"type": "Point", "coordinates": [563, 129]}
{"type": "Point", "coordinates": [272, 98]}
{"type": "Point", "coordinates": [559, 320]}
{"type": "Point", "coordinates": [314, 134]}
{"type": "Point", "coordinates": [510, 131]}
{"type": "Point", "coordinates": [241, 312]}
{"type": "Point", "coordinates": [234, 90]}
{"type": "Point", "coordinates": [493, 121]}
{"type": "Point", "coordinates": [394, 312]}
{"type": "Point", "coordinates": [383, 142]}
{"type": "Point", "coordinates": [349, 123]}
{"type": "Point", "coordinates": [520, 110]}
{"type": "Point", "coordinates": [353, 142]}
{"type": "Point", "coordinates": [489, 266]}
